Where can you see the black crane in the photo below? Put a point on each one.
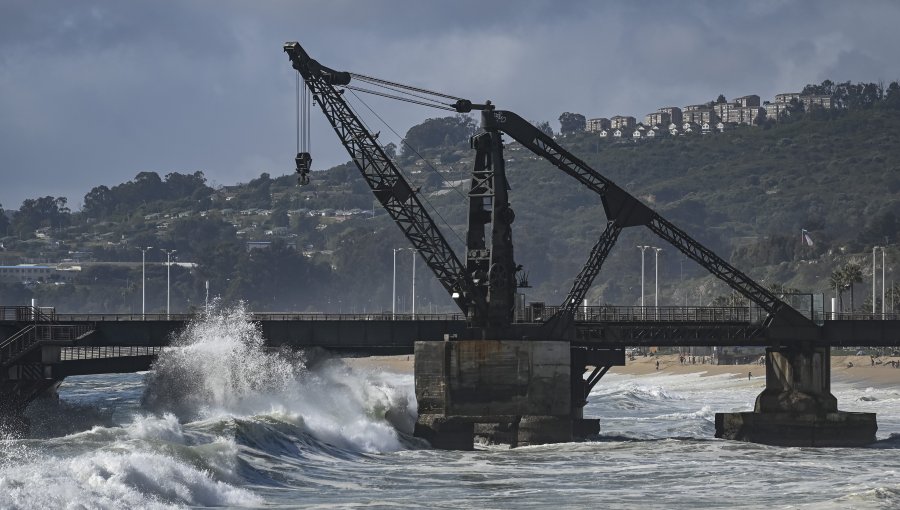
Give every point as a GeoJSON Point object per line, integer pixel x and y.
{"type": "Point", "coordinates": [484, 287]}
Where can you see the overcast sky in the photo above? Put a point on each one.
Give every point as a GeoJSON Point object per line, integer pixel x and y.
{"type": "Point", "coordinates": [93, 92]}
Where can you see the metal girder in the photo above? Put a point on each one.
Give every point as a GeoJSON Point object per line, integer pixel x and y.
{"type": "Point", "coordinates": [715, 264]}
{"type": "Point", "coordinates": [591, 268]}
{"type": "Point", "coordinates": [627, 211]}
{"type": "Point", "coordinates": [387, 183]}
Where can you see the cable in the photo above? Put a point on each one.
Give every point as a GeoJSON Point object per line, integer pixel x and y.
{"type": "Point", "coordinates": [399, 98]}
{"type": "Point", "coordinates": [446, 223]}
{"type": "Point", "coordinates": [400, 85]}
{"type": "Point", "coordinates": [435, 170]}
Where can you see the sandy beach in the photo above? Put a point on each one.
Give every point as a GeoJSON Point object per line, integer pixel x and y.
{"type": "Point", "coordinates": [862, 371]}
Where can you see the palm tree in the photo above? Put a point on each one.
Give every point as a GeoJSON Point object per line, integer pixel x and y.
{"type": "Point", "coordinates": [836, 281]}
{"type": "Point", "coordinates": [853, 274]}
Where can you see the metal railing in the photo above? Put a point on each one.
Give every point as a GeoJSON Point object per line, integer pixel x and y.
{"type": "Point", "coordinates": [857, 316]}
{"type": "Point", "coordinates": [653, 314]}
{"type": "Point", "coordinates": [110, 351]}
{"type": "Point", "coordinates": [27, 313]}
{"type": "Point", "coordinates": [263, 316]}
{"type": "Point", "coordinates": [17, 345]}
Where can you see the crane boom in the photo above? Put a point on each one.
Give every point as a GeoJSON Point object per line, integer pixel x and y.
{"type": "Point", "coordinates": [387, 183]}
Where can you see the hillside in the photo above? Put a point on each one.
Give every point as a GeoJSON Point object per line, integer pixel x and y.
{"type": "Point", "coordinates": [745, 193]}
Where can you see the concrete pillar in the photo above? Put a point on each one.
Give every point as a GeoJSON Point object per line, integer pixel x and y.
{"type": "Point", "coordinates": [797, 407]}
{"type": "Point", "coordinates": [511, 384]}
{"type": "Point", "coordinates": [797, 381]}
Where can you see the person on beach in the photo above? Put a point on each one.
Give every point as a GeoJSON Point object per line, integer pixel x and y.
{"type": "Point", "coordinates": [749, 375]}
{"type": "Point", "coordinates": [657, 364]}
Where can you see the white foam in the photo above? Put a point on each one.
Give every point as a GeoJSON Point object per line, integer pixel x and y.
{"type": "Point", "coordinates": [219, 368]}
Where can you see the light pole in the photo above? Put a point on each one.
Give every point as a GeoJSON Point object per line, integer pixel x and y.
{"type": "Point", "coordinates": [168, 279]}
{"type": "Point", "coordinates": [415, 253]}
{"type": "Point", "coordinates": [873, 278]}
{"type": "Point", "coordinates": [144, 279]}
{"type": "Point", "coordinates": [642, 248]}
{"type": "Point", "coordinates": [394, 288]}
{"type": "Point", "coordinates": [656, 278]}
{"type": "Point", "coordinates": [882, 282]}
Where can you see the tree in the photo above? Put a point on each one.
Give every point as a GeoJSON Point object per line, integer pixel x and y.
{"type": "Point", "coordinates": [98, 202]}
{"type": "Point", "coordinates": [571, 123]}
{"type": "Point", "coordinates": [41, 212]}
{"type": "Point", "coordinates": [721, 99]}
{"type": "Point", "coordinates": [440, 132]}
{"type": "Point", "coordinates": [544, 127]}
{"type": "Point", "coordinates": [4, 222]}
{"type": "Point", "coordinates": [852, 275]}
{"type": "Point", "coordinates": [836, 282]}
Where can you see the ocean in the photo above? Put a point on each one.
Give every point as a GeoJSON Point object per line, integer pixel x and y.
{"type": "Point", "coordinates": [221, 422]}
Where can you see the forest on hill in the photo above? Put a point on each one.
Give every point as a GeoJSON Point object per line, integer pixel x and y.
{"type": "Point", "coordinates": [746, 193]}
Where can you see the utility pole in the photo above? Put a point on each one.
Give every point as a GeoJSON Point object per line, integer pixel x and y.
{"type": "Point", "coordinates": [394, 291]}
{"type": "Point", "coordinates": [882, 282]}
{"type": "Point", "coordinates": [168, 280]}
{"type": "Point", "coordinates": [642, 248]}
{"type": "Point", "coordinates": [656, 278]}
{"type": "Point", "coordinates": [144, 280]}
{"type": "Point", "coordinates": [873, 279]}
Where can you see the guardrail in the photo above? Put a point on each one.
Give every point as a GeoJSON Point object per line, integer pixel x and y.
{"type": "Point", "coordinates": [857, 316]}
{"type": "Point", "coordinates": [652, 314]}
{"type": "Point", "coordinates": [113, 351]}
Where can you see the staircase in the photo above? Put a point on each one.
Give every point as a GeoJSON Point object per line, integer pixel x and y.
{"type": "Point", "coordinates": [41, 330]}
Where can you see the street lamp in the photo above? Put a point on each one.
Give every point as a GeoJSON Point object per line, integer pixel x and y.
{"type": "Point", "coordinates": [168, 278]}
{"type": "Point", "coordinates": [144, 279]}
{"type": "Point", "coordinates": [882, 282]}
{"type": "Point", "coordinates": [415, 254]}
{"type": "Point", "coordinates": [642, 248]}
{"type": "Point", "coordinates": [394, 289]}
{"type": "Point", "coordinates": [656, 278]}
{"type": "Point", "coordinates": [873, 278]}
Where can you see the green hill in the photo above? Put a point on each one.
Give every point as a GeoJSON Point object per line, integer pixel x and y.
{"type": "Point", "coordinates": [745, 193]}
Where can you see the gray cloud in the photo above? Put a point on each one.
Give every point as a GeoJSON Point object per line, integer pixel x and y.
{"type": "Point", "coordinates": [95, 92]}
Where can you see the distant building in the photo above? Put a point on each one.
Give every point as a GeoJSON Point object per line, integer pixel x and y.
{"type": "Point", "coordinates": [35, 273]}
{"type": "Point", "coordinates": [598, 124]}
{"type": "Point", "coordinates": [674, 112]}
{"type": "Point", "coordinates": [622, 122]}
{"type": "Point", "coordinates": [264, 245]}
{"type": "Point", "coordinates": [698, 114]}
{"type": "Point", "coordinates": [658, 119]}
{"type": "Point", "coordinates": [787, 97]}
{"type": "Point", "coordinates": [745, 101]}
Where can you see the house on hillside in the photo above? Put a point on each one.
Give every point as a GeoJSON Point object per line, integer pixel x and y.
{"type": "Point", "coordinates": [617, 133]}
{"type": "Point", "coordinates": [603, 133]}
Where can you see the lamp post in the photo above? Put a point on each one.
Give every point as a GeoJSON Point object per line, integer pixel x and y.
{"type": "Point", "coordinates": [656, 278]}
{"type": "Point", "coordinates": [882, 282]}
{"type": "Point", "coordinates": [642, 248]}
{"type": "Point", "coordinates": [144, 280]}
{"type": "Point", "coordinates": [394, 288]}
{"type": "Point", "coordinates": [168, 279]}
{"type": "Point", "coordinates": [873, 278]}
{"type": "Point", "coordinates": [415, 254]}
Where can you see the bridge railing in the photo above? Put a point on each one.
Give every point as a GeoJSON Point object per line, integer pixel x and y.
{"type": "Point", "coordinates": [857, 316]}
{"type": "Point", "coordinates": [268, 316]}
{"type": "Point", "coordinates": [109, 351]}
{"type": "Point", "coordinates": [28, 313]}
{"type": "Point", "coordinates": [653, 314]}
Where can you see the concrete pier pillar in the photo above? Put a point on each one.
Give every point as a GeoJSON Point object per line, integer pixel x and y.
{"type": "Point", "coordinates": [797, 407]}
{"type": "Point", "coordinates": [515, 389]}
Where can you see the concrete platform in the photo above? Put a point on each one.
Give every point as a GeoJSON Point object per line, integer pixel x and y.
{"type": "Point", "coordinates": [832, 429]}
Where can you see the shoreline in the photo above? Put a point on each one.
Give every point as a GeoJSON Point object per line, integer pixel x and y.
{"type": "Point", "coordinates": [862, 371]}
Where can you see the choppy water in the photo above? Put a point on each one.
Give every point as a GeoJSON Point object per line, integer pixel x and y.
{"type": "Point", "coordinates": [222, 423]}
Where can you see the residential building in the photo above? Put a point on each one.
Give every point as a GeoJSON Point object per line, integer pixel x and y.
{"type": "Point", "coordinates": [745, 101]}
{"type": "Point", "coordinates": [658, 118]}
{"type": "Point", "coordinates": [622, 122]}
{"type": "Point", "coordinates": [698, 114]}
{"type": "Point", "coordinates": [674, 113]}
{"type": "Point", "coordinates": [35, 273]}
{"type": "Point", "coordinates": [598, 124]}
